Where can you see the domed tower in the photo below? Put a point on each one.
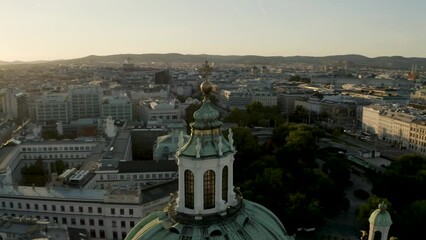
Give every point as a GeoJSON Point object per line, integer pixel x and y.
{"type": "Point", "coordinates": [380, 222]}
{"type": "Point", "coordinates": [206, 205]}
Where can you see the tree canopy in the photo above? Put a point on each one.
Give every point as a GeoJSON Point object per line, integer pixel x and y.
{"type": "Point", "coordinates": [35, 174]}
{"type": "Point", "coordinates": [283, 175]}
{"type": "Point", "coordinates": [403, 183]}
{"type": "Point", "coordinates": [256, 115]}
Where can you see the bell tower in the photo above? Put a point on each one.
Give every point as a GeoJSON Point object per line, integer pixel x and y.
{"type": "Point", "coordinates": [205, 162]}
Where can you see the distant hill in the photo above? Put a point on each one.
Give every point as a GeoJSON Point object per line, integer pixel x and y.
{"type": "Point", "coordinates": [20, 62]}
{"type": "Point", "coordinates": [393, 62]}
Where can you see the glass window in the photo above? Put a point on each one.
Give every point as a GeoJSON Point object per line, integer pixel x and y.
{"type": "Point", "coordinates": [112, 211]}
{"type": "Point", "coordinates": [100, 222]}
{"type": "Point", "coordinates": [121, 211]}
{"type": "Point", "coordinates": [225, 183]}
{"type": "Point", "coordinates": [123, 224]}
{"type": "Point", "coordinates": [189, 189]}
{"type": "Point", "coordinates": [80, 209]}
{"type": "Point", "coordinates": [90, 209]}
{"type": "Point", "coordinates": [209, 189]}
{"type": "Point", "coordinates": [130, 212]}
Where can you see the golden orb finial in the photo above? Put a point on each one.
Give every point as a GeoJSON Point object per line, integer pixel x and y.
{"type": "Point", "coordinates": [206, 87]}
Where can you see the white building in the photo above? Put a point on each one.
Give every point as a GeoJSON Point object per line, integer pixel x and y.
{"type": "Point", "coordinates": [52, 107]}
{"type": "Point", "coordinates": [85, 101]}
{"type": "Point", "coordinates": [118, 107]}
{"type": "Point", "coordinates": [105, 214]}
{"type": "Point", "coordinates": [240, 98]}
{"type": "Point", "coordinates": [159, 110]}
{"type": "Point", "coordinates": [398, 126]}
{"type": "Point", "coordinates": [135, 173]}
{"type": "Point", "coordinates": [266, 98]}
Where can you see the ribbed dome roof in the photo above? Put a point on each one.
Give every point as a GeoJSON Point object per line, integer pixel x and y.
{"type": "Point", "coordinates": [252, 221]}
{"type": "Point", "coordinates": [380, 217]}
{"type": "Point", "coordinates": [206, 117]}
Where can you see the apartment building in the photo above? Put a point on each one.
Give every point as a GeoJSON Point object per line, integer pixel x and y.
{"type": "Point", "coordinates": [105, 214]}
{"type": "Point", "coordinates": [118, 107]}
{"type": "Point", "coordinates": [52, 107]}
{"type": "Point", "coordinates": [85, 101]}
{"type": "Point", "coordinates": [400, 126]}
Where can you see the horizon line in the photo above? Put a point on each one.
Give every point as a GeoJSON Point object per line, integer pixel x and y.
{"type": "Point", "coordinates": [197, 54]}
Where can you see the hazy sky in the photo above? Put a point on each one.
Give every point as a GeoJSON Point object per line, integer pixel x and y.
{"type": "Point", "coordinates": [59, 29]}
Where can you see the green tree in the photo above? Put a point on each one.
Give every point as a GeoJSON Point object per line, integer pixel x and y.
{"type": "Point", "coordinates": [248, 151]}
{"type": "Point", "coordinates": [49, 134]}
{"type": "Point", "coordinates": [35, 174]}
{"type": "Point", "coordinates": [364, 211]}
{"type": "Point", "coordinates": [412, 221]}
{"type": "Point", "coordinates": [300, 115]}
{"type": "Point", "coordinates": [239, 117]}
{"type": "Point", "coordinates": [300, 148]}
{"type": "Point", "coordinates": [407, 170]}
{"type": "Point", "coordinates": [59, 166]}
{"type": "Point", "coordinates": [302, 211]}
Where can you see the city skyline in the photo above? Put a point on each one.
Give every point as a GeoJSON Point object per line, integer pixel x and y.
{"type": "Point", "coordinates": [49, 30]}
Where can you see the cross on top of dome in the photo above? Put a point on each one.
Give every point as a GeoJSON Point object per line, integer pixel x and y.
{"type": "Point", "coordinates": [207, 68]}
{"type": "Point", "coordinates": [206, 87]}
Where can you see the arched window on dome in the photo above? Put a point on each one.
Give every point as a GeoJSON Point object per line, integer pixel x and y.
{"type": "Point", "coordinates": [225, 183]}
{"type": "Point", "coordinates": [209, 189]}
{"type": "Point", "coordinates": [189, 189]}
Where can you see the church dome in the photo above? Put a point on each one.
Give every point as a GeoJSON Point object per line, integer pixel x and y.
{"type": "Point", "coordinates": [380, 217]}
{"type": "Point", "coordinates": [250, 221]}
{"type": "Point", "coordinates": [206, 117]}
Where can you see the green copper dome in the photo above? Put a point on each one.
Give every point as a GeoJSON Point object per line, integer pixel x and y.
{"type": "Point", "coordinates": [206, 117]}
{"type": "Point", "coordinates": [380, 217]}
{"type": "Point", "coordinates": [250, 221]}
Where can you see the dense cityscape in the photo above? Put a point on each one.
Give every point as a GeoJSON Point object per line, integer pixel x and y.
{"type": "Point", "coordinates": [91, 146]}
